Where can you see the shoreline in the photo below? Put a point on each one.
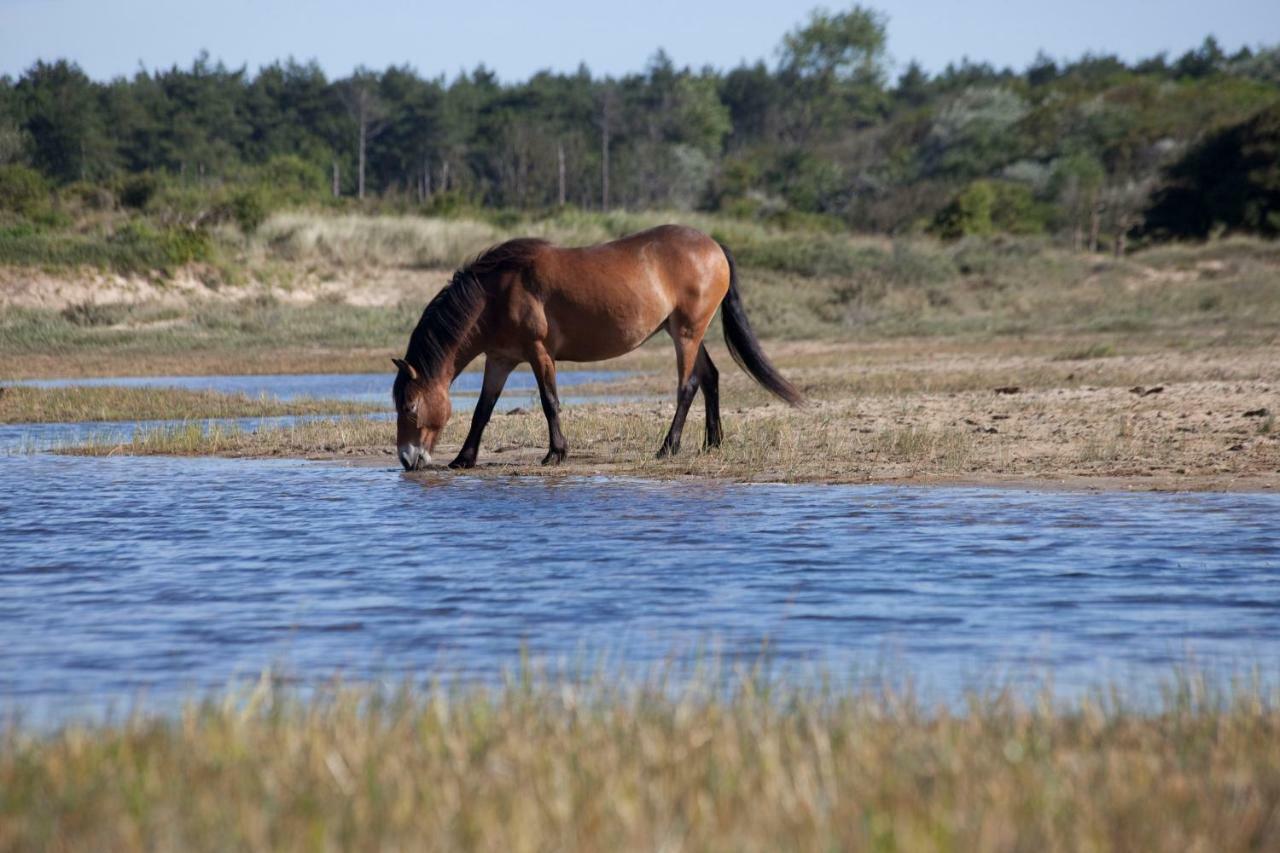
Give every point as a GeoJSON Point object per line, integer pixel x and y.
{"type": "Point", "coordinates": [529, 467]}
{"type": "Point", "coordinates": [1047, 413]}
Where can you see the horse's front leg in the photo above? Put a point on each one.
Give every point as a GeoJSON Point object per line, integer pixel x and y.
{"type": "Point", "coordinates": [544, 370]}
{"type": "Point", "coordinates": [496, 371]}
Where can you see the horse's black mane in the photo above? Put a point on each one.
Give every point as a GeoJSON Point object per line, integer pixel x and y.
{"type": "Point", "coordinates": [452, 314]}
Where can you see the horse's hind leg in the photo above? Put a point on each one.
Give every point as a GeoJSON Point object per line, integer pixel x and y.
{"type": "Point", "coordinates": [709, 379]}
{"type": "Point", "coordinates": [686, 387]}
{"type": "Point", "coordinates": [544, 370]}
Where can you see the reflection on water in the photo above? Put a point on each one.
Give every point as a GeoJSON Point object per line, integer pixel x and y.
{"type": "Point", "coordinates": [163, 576]}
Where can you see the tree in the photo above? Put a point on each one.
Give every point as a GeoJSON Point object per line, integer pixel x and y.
{"type": "Point", "coordinates": [60, 114]}
{"type": "Point", "coordinates": [1076, 184]}
{"type": "Point", "coordinates": [913, 86]}
{"type": "Point", "coordinates": [1230, 180]}
{"type": "Point", "coordinates": [835, 63]}
{"type": "Point", "coordinates": [972, 134]}
{"type": "Point", "coordinates": [1201, 62]}
{"type": "Point", "coordinates": [608, 99]}
{"type": "Point", "coordinates": [840, 46]}
{"type": "Point", "coordinates": [360, 94]}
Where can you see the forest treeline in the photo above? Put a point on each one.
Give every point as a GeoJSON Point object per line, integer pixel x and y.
{"type": "Point", "coordinates": [1091, 150]}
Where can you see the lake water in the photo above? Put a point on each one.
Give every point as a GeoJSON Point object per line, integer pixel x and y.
{"type": "Point", "coordinates": [157, 577]}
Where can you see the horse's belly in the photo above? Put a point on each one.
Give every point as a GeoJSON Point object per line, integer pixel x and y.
{"type": "Point", "coordinates": [597, 329]}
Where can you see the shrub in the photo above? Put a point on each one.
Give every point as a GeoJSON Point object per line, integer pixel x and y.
{"type": "Point", "coordinates": [23, 191]}
{"type": "Point", "coordinates": [986, 207]}
{"type": "Point", "coordinates": [89, 196]}
{"type": "Point", "coordinates": [249, 208]}
{"type": "Point", "coordinates": [141, 246]}
{"type": "Point", "coordinates": [968, 214]}
{"type": "Point", "coordinates": [137, 190]}
{"type": "Point", "coordinates": [289, 178]}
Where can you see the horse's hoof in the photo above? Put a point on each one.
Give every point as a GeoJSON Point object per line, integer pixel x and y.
{"type": "Point", "coordinates": [463, 462]}
{"type": "Point", "coordinates": [667, 450]}
{"type": "Point", "coordinates": [554, 457]}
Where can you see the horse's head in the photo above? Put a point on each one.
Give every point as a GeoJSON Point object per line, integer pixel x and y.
{"type": "Point", "coordinates": [422, 410]}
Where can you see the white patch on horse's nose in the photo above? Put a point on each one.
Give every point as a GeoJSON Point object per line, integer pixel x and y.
{"type": "Point", "coordinates": [413, 457]}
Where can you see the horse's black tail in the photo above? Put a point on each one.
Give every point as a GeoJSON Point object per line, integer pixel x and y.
{"type": "Point", "coordinates": [743, 344]}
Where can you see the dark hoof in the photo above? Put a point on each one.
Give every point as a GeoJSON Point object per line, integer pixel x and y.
{"type": "Point", "coordinates": [463, 462]}
{"type": "Point", "coordinates": [668, 450]}
{"type": "Point", "coordinates": [555, 456]}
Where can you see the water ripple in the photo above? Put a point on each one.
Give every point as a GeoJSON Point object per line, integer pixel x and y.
{"type": "Point", "coordinates": [167, 575]}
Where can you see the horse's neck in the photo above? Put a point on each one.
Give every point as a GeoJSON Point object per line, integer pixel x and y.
{"type": "Point", "coordinates": [465, 353]}
{"type": "Point", "coordinates": [459, 355]}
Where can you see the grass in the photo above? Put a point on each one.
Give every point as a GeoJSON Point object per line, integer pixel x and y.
{"type": "Point", "coordinates": [26, 404]}
{"type": "Point", "coordinates": [537, 765]}
{"type": "Point", "coordinates": [1087, 352]}
{"type": "Point", "coordinates": [115, 242]}
{"type": "Point", "coordinates": [768, 443]}
{"type": "Point", "coordinates": [349, 288]}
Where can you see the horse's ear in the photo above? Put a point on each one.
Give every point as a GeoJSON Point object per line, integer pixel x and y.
{"type": "Point", "coordinates": [401, 364]}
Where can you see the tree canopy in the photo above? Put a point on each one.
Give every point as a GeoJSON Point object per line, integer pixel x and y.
{"type": "Point", "coordinates": [826, 132]}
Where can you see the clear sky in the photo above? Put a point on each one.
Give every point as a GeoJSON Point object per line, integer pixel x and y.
{"type": "Point", "coordinates": [112, 37]}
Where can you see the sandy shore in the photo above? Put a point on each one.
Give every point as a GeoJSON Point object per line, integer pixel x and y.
{"type": "Point", "coordinates": [1025, 413]}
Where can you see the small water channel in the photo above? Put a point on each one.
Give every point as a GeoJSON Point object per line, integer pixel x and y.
{"type": "Point", "coordinates": [521, 392]}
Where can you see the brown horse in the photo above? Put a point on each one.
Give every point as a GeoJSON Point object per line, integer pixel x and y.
{"type": "Point", "coordinates": [529, 301]}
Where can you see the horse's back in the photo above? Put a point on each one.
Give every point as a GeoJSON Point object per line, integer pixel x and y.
{"type": "Point", "coordinates": [604, 300]}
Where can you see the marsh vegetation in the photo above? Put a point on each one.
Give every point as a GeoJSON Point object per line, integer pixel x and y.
{"type": "Point", "coordinates": [539, 763]}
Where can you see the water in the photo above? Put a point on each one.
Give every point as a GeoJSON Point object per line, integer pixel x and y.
{"type": "Point", "coordinates": [521, 392]}
{"type": "Point", "coordinates": [29, 438]}
{"type": "Point", "coordinates": [164, 577]}
{"type": "Point", "coordinates": [358, 387]}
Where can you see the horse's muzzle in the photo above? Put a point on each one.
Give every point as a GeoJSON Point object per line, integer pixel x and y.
{"type": "Point", "coordinates": [413, 458]}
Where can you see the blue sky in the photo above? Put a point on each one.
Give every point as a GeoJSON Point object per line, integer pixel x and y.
{"type": "Point", "coordinates": [112, 37]}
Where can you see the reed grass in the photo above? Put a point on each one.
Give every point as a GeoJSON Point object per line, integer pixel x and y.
{"type": "Point", "coordinates": [31, 404]}
{"type": "Point", "coordinates": [540, 764]}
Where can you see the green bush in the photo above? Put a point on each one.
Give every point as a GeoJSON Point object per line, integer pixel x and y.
{"type": "Point", "coordinates": [249, 208]}
{"type": "Point", "coordinates": [23, 191]}
{"type": "Point", "coordinates": [146, 247]}
{"type": "Point", "coordinates": [968, 214]}
{"type": "Point", "coordinates": [288, 178]}
{"type": "Point", "coordinates": [448, 204]}
{"type": "Point", "coordinates": [137, 190]}
{"type": "Point", "coordinates": [986, 207]}
{"type": "Point", "coordinates": [89, 196]}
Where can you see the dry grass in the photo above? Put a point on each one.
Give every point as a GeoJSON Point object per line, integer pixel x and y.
{"type": "Point", "coordinates": [27, 404]}
{"type": "Point", "coordinates": [538, 765]}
